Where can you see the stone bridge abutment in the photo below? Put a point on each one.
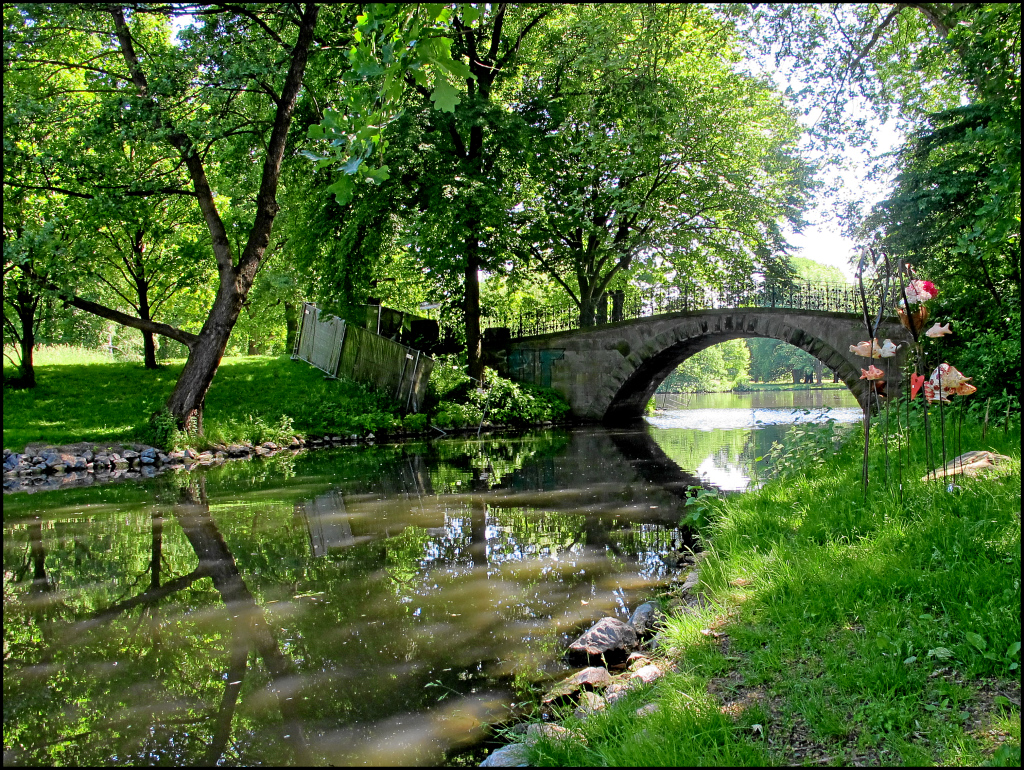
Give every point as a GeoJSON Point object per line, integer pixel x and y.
{"type": "Point", "coordinates": [610, 372]}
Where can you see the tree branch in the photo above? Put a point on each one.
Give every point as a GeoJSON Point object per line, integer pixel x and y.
{"type": "Point", "coordinates": [120, 190]}
{"type": "Point", "coordinates": [554, 274]}
{"type": "Point", "coordinates": [266, 199]}
{"type": "Point", "coordinates": [180, 141]}
{"type": "Point", "coordinates": [876, 36]}
{"type": "Point", "coordinates": [514, 50]}
{"type": "Point", "coordinates": [185, 338]}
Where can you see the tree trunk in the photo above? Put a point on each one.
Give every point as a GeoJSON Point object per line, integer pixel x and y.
{"type": "Point", "coordinates": [206, 350]}
{"type": "Point", "coordinates": [474, 347]}
{"type": "Point", "coordinates": [587, 310]}
{"type": "Point", "coordinates": [27, 317]}
{"type": "Point", "coordinates": [186, 401]}
{"type": "Point", "coordinates": [148, 343]}
{"type": "Point", "coordinates": [252, 350]}
{"type": "Point", "coordinates": [819, 369]}
{"type": "Point", "coordinates": [291, 324]}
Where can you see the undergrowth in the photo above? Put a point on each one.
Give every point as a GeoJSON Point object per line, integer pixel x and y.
{"type": "Point", "coordinates": [253, 399]}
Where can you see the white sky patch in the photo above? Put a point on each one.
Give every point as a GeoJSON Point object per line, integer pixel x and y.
{"type": "Point", "coordinates": [821, 240]}
{"type": "Point", "coordinates": [179, 23]}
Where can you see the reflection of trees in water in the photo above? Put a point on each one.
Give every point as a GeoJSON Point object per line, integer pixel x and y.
{"type": "Point", "coordinates": [130, 587]}
{"type": "Point", "coordinates": [177, 732]}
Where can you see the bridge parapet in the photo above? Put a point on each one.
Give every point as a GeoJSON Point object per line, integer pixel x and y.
{"type": "Point", "coordinates": [658, 300]}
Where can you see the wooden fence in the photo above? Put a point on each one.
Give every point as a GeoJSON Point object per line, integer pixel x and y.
{"type": "Point", "coordinates": [344, 350]}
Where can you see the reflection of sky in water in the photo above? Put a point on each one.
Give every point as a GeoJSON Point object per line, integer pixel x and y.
{"type": "Point", "coordinates": [721, 444]}
{"type": "Point", "coordinates": [731, 419]}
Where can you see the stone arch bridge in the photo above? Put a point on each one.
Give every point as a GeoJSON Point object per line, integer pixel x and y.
{"type": "Point", "coordinates": [610, 371]}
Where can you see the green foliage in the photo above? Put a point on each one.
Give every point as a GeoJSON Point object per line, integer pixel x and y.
{"type": "Point", "coordinates": [395, 44]}
{"type": "Point", "coordinates": [628, 152]}
{"type": "Point", "coordinates": [719, 367]}
{"type": "Point", "coordinates": [772, 360]}
{"type": "Point", "coordinates": [163, 431]}
{"type": "Point", "coordinates": [848, 613]}
{"type": "Point", "coordinates": [806, 447]}
{"type": "Point", "coordinates": [501, 402]}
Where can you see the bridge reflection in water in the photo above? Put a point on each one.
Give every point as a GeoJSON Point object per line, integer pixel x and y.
{"type": "Point", "coordinates": [362, 605]}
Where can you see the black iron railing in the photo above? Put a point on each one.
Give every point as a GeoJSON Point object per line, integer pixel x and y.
{"type": "Point", "coordinates": [644, 303]}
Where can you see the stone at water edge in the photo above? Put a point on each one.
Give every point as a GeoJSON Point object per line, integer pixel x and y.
{"type": "Point", "coordinates": [590, 703]}
{"type": "Point", "coordinates": [513, 755]}
{"type": "Point", "coordinates": [647, 674]}
{"type": "Point", "coordinates": [536, 730]}
{"type": "Point", "coordinates": [609, 638]}
{"type": "Point", "coordinates": [644, 619]}
{"type": "Point", "coordinates": [592, 678]}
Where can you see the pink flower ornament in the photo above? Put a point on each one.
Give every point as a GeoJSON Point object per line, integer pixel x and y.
{"type": "Point", "coordinates": [938, 331]}
{"type": "Point", "coordinates": [872, 373]}
{"type": "Point", "coordinates": [918, 291]}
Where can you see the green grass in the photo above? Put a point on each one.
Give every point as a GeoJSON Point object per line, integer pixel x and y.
{"type": "Point", "coordinates": [50, 355]}
{"type": "Point", "coordinates": [852, 630]}
{"type": "Point", "coordinates": [81, 398]}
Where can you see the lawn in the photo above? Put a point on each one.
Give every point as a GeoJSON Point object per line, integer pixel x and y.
{"type": "Point", "coordinates": [83, 396]}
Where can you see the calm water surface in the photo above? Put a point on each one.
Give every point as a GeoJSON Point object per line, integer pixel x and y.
{"type": "Point", "coordinates": [364, 605]}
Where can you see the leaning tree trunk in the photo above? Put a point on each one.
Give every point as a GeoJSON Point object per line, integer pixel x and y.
{"type": "Point", "coordinates": [186, 402]}
{"type": "Point", "coordinates": [206, 349]}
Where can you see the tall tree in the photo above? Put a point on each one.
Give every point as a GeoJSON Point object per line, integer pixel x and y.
{"type": "Point", "coordinates": [648, 145]}
{"type": "Point", "coordinates": [238, 72]}
{"type": "Point", "coordinates": [456, 63]}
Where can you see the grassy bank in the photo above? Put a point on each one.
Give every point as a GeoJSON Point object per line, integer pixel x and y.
{"type": "Point", "coordinates": [82, 395]}
{"type": "Point", "coordinates": [839, 630]}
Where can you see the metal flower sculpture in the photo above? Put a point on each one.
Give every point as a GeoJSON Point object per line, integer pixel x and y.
{"type": "Point", "coordinates": [912, 312]}
{"type": "Point", "coordinates": [918, 291]}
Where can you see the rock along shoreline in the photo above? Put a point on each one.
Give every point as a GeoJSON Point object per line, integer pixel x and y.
{"type": "Point", "coordinates": [44, 467]}
{"type": "Point", "coordinates": [620, 657]}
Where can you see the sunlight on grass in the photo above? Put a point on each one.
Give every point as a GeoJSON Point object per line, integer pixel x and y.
{"type": "Point", "coordinates": [253, 398]}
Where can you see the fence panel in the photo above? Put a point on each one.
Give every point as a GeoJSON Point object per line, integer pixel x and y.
{"type": "Point", "coordinates": [343, 350]}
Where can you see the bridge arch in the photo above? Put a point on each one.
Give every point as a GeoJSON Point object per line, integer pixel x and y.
{"type": "Point", "coordinates": [610, 372]}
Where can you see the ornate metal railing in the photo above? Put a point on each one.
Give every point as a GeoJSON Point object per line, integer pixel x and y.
{"type": "Point", "coordinates": [644, 303]}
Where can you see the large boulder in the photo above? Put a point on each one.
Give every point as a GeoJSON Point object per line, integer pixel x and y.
{"type": "Point", "coordinates": [609, 641]}
{"type": "Point", "coordinates": [513, 755]}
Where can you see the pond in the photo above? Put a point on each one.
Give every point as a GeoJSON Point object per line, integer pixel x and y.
{"type": "Point", "coordinates": [360, 605]}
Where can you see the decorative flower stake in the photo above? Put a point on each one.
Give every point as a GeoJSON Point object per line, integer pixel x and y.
{"type": "Point", "coordinates": [888, 349]}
